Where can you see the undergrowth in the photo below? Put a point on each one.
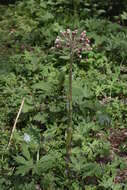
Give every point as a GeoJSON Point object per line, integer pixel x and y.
{"type": "Point", "coordinates": [33, 69]}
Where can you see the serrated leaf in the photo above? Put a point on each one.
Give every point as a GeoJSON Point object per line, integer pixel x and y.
{"type": "Point", "coordinates": [56, 27]}
{"type": "Point", "coordinates": [25, 168]}
{"type": "Point", "coordinates": [47, 16]}
{"type": "Point", "coordinates": [77, 91]}
{"type": "Point", "coordinates": [65, 57]}
{"type": "Point", "coordinates": [45, 86]}
{"type": "Point", "coordinates": [20, 160]}
{"type": "Point", "coordinates": [81, 91]}
{"type": "Point", "coordinates": [46, 163]}
{"type": "Point", "coordinates": [27, 108]}
{"type": "Point", "coordinates": [91, 169]}
{"type": "Point", "coordinates": [25, 152]}
{"type": "Point", "coordinates": [40, 117]}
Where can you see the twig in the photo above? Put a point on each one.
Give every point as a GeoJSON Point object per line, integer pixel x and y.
{"type": "Point", "coordinates": [14, 126]}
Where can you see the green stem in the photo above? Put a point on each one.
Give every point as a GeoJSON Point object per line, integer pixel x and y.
{"type": "Point", "coordinates": [69, 129]}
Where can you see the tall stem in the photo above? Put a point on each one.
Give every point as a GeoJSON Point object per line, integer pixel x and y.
{"type": "Point", "coordinates": [69, 129]}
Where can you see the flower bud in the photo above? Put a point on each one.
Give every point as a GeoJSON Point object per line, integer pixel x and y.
{"type": "Point", "coordinates": [82, 39]}
{"type": "Point", "coordinates": [68, 31]}
{"type": "Point", "coordinates": [63, 33]}
{"type": "Point", "coordinates": [83, 34]}
{"type": "Point", "coordinates": [87, 40]}
{"type": "Point", "coordinates": [58, 46]}
{"type": "Point", "coordinates": [68, 44]}
{"type": "Point", "coordinates": [74, 32]}
{"type": "Point", "coordinates": [57, 40]}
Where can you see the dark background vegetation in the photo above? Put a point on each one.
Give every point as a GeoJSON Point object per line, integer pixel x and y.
{"type": "Point", "coordinates": [31, 68]}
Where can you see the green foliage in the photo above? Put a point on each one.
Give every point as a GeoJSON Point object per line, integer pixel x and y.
{"type": "Point", "coordinates": [31, 68]}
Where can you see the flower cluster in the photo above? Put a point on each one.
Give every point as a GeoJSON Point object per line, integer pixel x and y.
{"type": "Point", "coordinates": [73, 41]}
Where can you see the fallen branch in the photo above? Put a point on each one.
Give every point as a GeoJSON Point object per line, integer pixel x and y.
{"type": "Point", "coordinates": [16, 120]}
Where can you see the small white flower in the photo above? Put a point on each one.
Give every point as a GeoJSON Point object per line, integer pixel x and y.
{"type": "Point", "coordinates": [26, 138]}
{"type": "Point", "coordinates": [68, 31]}
{"type": "Point", "coordinates": [57, 40]}
{"type": "Point", "coordinates": [83, 34]}
{"type": "Point", "coordinates": [76, 31]}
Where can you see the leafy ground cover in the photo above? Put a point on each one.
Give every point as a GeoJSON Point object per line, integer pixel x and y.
{"type": "Point", "coordinates": [32, 69]}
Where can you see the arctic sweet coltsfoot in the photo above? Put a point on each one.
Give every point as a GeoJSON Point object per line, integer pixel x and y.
{"type": "Point", "coordinates": [75, 43]}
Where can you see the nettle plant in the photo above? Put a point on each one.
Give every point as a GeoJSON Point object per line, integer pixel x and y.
{"type": "Point", "coordinates": [75, 43]}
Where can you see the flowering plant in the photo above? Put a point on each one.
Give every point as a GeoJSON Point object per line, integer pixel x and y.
{"type": "Point", "coordinates": [76, 44]}
{"type": "Point", "coordinates": [72, 41]}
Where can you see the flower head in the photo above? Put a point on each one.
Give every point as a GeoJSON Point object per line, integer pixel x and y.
{"type": "Point", "coordinates": [26, 138]}
{"type": "Point", "coordinates": [71, 40]}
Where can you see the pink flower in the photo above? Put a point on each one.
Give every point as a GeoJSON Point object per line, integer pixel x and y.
{"type": "Point", "coordinates": [68, 31]}
{"type": "Point", "coordinates": [71, 40]}
{"type": "Point", "coordinates": [74, 32]}
{"type": "Point", "coordinates": [57, 40]}
{"type": "Point", "coordinates": [87, 40]}
{"type": "Point", "coordinates": [63, 33]}
{"type": "Point", "coordinates": [82, 39]}
{"type": "Point", "coordinates": [68, 44]}
{"type": "Point", "coordinates": [83, 34]}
